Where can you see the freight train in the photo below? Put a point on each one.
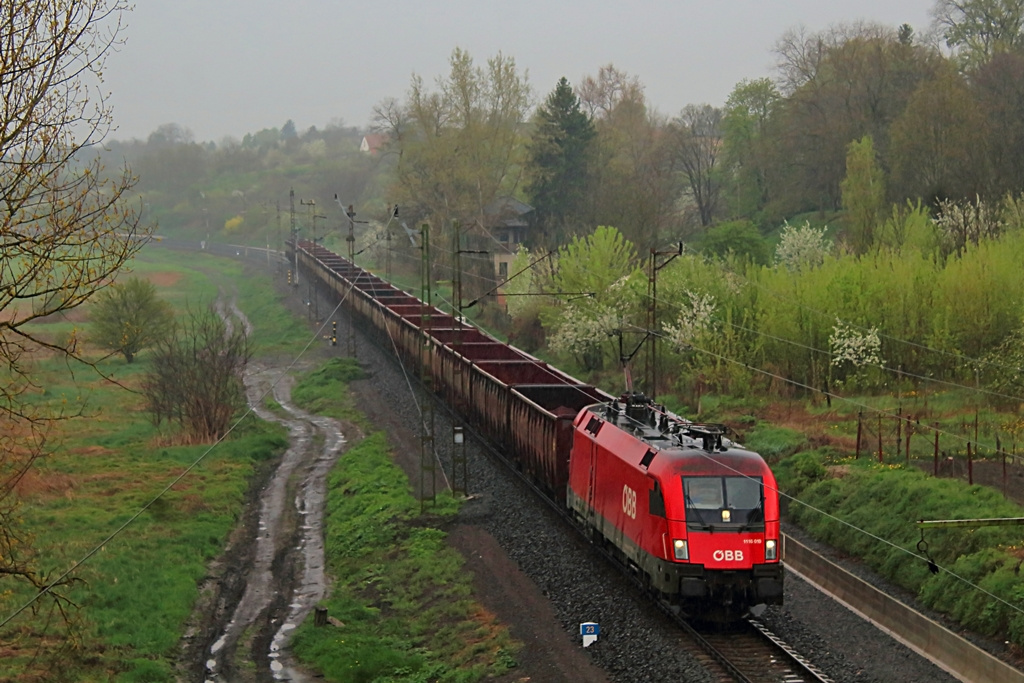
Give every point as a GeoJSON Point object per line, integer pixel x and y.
{"type": "Point", "coordinates": [695, 516]}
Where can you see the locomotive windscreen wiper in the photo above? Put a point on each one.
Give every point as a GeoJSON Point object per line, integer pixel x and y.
{"type": "Point", "coordinates": [751, 520]}
{"type": "Point", "coordinates": [691, 506]}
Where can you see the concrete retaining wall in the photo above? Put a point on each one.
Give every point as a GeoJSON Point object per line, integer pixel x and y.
{"type": "Point", "coordinates": [948, 650]}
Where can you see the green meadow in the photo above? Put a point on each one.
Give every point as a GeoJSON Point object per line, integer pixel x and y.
{"type": "Point", "coordinates": [125, 610]}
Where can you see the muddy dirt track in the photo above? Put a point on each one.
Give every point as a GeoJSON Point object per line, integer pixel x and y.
{"type": "Point", "coordinates": [272, 573]}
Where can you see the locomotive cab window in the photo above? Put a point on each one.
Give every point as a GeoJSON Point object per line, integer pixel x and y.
{"type": "Point", "coordinates": [656, 501]}
{"type": "Point", "coordinates": [724, 503]}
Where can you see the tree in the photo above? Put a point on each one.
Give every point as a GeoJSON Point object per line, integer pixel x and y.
{"type": "Point", "coordinates": [698, 141]}
{"type": "Point", "coordinates": [978, 30]}
{"type": "Point", "coordinates": [999, 89]}
{"type": "Point", "coordinates": [851, 81]}
{"type": "Point", "coordinates": [171, 165]}
{"type": "Point", "coordinates": [598, 273]}
{"type": "Point", "coordinates": [459, 146]}
{"type": "Point", "coordinates": [65, 226]}
{"type": "Point", "coordinates": [739, 238]}
{"type": "Point", "coordinates": [745, 132]}
{"type": "Point", "coordinates": [801, 248]}
{"type": "Point", "coordinates": [863, 194]}
{"type": "Point", "coordinates": [937, 144]}
{"type": "Point", "coordinates": [196, 380]}
{"type": "Point", "coordinates": [633, 186]}
{"type": "Point", "coordinates": [288, 131]}
{"type": "Point", "coordinates": [559, 153]}
{"type": "Point", "coordinates": [129, 317]}
{"type": "Point", "coordinates": [169, 135]}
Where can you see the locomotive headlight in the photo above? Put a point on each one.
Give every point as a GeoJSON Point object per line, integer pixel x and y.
{"type": "Point", "coordinates": [726, 515]}
{"type": "Point", "coordinates": [679, 547]}
{"type": "Point", "coordinates": [771, 549]}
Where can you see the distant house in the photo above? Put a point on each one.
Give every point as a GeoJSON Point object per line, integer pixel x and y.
{"type": "Point", "coordinates": [373, 143]}
{"type": "Point", "coordinates": [507, 221]}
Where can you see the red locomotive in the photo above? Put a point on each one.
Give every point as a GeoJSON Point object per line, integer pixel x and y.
{"type": "Point", "coordinates": [695, 515]}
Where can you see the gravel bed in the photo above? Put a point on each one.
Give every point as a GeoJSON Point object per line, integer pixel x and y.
{"type": "Point", "coordinates": [637, 643]}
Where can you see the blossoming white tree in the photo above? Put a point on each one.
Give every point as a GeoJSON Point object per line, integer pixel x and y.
{"type": "Point", "coordinates": [802, 248]}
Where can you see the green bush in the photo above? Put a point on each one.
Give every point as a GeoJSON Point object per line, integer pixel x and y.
{"type": "Point", "coordinates": [796, 473]}
{"type": "Point", "coordinates": [872, 502]}
{"type": "Point", "coordinates": [774, 443]}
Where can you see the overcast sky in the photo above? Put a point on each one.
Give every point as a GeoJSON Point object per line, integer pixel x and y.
{"type": "Point", "coordinates": [229, 67]}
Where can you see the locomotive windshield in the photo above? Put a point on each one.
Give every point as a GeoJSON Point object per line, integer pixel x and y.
{"type": "Point", "coordinates": [724, 503]}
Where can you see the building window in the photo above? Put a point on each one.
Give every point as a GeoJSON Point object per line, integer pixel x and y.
{"type": "Point", "coordinates": [503, 270]}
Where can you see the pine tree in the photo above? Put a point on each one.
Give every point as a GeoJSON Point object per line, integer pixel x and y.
{"type": "Point", "coordinates": [558, 161]}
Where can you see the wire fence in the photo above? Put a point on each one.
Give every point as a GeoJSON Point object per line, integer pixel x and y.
{"type": "Point", "coordinates": [971, 451]}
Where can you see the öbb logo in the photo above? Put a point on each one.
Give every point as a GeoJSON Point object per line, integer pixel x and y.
{"type": "Point", "coordinates": [629, 502]}
{"type": "Point", "coordinates": [728, 555]}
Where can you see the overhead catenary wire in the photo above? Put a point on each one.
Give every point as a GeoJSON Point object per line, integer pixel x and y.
{"type": "Point", "coordinates": [958, 356]}
{"type": "Point", "coordinates": [817, 510]}
{"type": "Point", "coordinates": [824, 352]}
{"type": "Point", "coordinates": [895, 371]}
{"type": "Point", "coordinates": [812, 389]}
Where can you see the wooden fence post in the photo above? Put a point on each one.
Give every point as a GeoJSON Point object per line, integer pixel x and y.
{"type": "Point", "coordinates": [880, 437]}
{"type": "Point", "coordinates": [860, 427]}
{"type": "Point", "coordinates": [899, 431]}
{"type": "Point", "coordinates": [910, 430]}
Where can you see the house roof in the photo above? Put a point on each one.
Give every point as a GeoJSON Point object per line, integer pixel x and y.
{"type": "Point", "coordinates": [373, 142]}
{"type": "Point", "coordinates": [507, 212]}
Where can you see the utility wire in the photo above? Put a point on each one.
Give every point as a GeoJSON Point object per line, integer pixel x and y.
{"type": "Point", "coordinates": [959, 356]}
{"type": "Point", "coordinates": [807, 505]}
{"type": "Point", "coordinates": [823, 352]}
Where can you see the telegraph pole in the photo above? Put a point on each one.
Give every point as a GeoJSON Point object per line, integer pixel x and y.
{"type": "Point", "coordinates": [310, 292]}
{"type": "Point", "coordinates": [316, 281]}
{"type": "Point", "coordinates": [459, 474]}
{"type": "Point", "coordinates": [295, 234]}
{"type": "Point", "coordinates": [427, 440]}
{"type": "Point", "coordinates": [350, 213]}
{"type": "Point", "coordinates": [651, 374]}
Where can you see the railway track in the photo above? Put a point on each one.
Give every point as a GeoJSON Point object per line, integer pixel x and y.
{"type": "Point", "coordinates": [748, 652]}
{"type": "Point", "coordinates": [752, 654]}
{"type": "Point", "coordinates": [748, 655]}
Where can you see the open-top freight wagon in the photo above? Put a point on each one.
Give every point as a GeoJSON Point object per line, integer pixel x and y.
{"type": "Point", "coordinates": [695, 515]}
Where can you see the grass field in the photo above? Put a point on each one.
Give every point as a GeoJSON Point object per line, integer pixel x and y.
{"type": "Point", "coordinates": [132, 596]}
{"type": "Point", "coordinates": [400, 591]}
{"type": "Point", "coordinates": [129, 601]}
